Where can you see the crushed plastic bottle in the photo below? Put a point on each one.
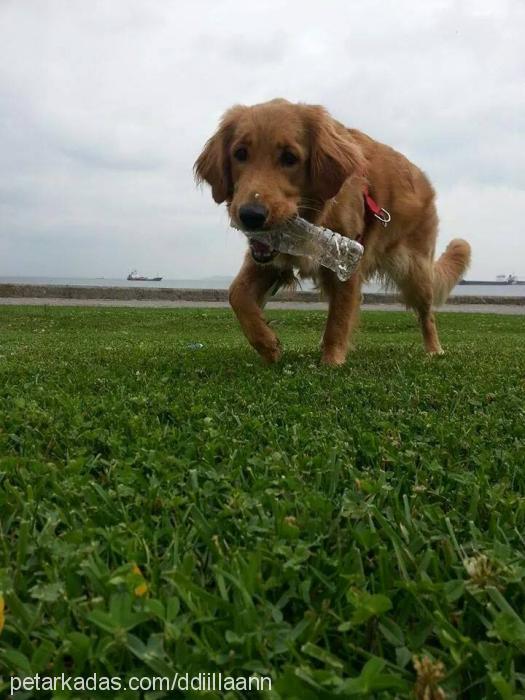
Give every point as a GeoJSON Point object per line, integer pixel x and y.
{"type": "Point", "coordinates": [326, 247]}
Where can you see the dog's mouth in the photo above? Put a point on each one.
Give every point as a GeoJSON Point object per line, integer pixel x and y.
{"type": "Point", "coordinates": [261, 252]}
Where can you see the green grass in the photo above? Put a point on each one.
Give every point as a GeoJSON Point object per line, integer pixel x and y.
{"type": "Point", "coordinates": [321, 526]}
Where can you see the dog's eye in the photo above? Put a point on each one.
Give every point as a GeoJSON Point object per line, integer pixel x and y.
{"type": "Point", "coordinates": [241, 154]}
{"type": "Point", "coordinates": [288, 158]}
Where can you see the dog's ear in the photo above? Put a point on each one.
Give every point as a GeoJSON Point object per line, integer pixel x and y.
{"type": "Point", "coordinates": [213, 164]}
{"type": "Point", "coordinates": [333, 156]}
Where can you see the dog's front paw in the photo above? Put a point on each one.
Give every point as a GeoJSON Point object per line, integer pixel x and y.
{"type": "Point", "coordinates": [270, 353]}
{"type": "Point", "coordinates": [272, 357]}
{"type": "Point", "coordinates": [333, 357]}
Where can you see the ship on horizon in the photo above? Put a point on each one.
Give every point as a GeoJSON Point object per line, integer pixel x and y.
{"type": "Point", "coordinates": [500, 280]}
{"type": "Point", "coordinates": [135, 277]}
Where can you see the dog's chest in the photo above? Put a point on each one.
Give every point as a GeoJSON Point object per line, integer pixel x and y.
{"type": "Point", "coordinates": [302, 266]}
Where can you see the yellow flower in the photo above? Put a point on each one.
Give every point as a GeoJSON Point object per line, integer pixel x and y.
{"type": "Point", "coordinates": [2, 615]}
{"type": "Point", "coordinates": [142, 587]}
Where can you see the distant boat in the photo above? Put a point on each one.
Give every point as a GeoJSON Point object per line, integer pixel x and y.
{"type": "Point", "coordinates": [135, 277]}
{"type": "Point", "coordinates": [500, 280]}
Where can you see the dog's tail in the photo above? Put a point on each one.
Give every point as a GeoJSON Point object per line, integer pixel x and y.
{"type": "Point", "coordinates": [450, 268]}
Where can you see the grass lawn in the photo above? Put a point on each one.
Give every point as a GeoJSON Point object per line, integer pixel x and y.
{"type": "Point", "coordinates": [171, 508]}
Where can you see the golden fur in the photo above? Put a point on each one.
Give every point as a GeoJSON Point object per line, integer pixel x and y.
{"type": "Point", "coordinates": [325, 186]}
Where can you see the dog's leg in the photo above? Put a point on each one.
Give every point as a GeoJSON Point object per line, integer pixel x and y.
{"type": "Point", "coordinates": [247, 297]}
{"type": "Point", "coordinates": [429, 329]}
{"type": "Point", "coordinates": [344, 300]}
{"type": "Point", "coordinates": [417, 292]}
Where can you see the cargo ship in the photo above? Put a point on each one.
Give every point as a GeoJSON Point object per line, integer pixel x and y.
{"type": "Point", "coordinates": [500, 279]}
{"type": "Point", "coordinates": [135, 277]}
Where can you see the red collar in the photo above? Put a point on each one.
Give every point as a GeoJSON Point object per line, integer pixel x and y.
{"type": "Point", "coordinates": [371, 205]}
{"type": "Point", "coordinates": [380, 213]}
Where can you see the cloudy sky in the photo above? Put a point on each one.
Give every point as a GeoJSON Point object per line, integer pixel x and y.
{"type": "Point", "coordinates": [104, 107]}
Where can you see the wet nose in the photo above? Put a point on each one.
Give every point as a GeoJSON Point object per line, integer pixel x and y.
{"type": "Point", "coordinates": [253, 216]}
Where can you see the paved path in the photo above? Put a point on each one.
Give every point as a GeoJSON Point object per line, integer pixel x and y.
{"type": "Point", "coordinates": [308, 306]}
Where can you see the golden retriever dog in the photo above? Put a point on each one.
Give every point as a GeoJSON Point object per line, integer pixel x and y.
{"type": "Point", "coordinates": [276, 160]}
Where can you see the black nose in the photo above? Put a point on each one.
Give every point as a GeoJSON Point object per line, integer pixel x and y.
{"type": "Point", "coordinates": [253, 216]}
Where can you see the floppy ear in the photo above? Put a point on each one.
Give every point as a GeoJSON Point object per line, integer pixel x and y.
{"type": "Point", "coordinates": [213, 164]}
{"type": "Point", "coordinates": [333, 156]}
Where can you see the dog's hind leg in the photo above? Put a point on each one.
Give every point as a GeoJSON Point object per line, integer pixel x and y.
{"type": "Point", "coordinates": [417, 291]}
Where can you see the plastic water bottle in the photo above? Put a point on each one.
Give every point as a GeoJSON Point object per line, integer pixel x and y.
{"type": "Point", "coordinates": [325, 247]}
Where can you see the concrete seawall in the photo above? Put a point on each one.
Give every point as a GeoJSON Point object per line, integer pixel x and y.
{"type": "Point", "coordinates": [166, 294]}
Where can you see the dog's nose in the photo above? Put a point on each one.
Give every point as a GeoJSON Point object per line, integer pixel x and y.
{"type": "Point", "coordinates": [253, 216]}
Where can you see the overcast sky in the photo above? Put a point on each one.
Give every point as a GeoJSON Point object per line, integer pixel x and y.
{"type": "Point", "coordinates": [104, 106]}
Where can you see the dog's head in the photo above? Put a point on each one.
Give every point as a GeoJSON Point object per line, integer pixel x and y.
{"type": "Point", "coordinates": [275, 160]}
